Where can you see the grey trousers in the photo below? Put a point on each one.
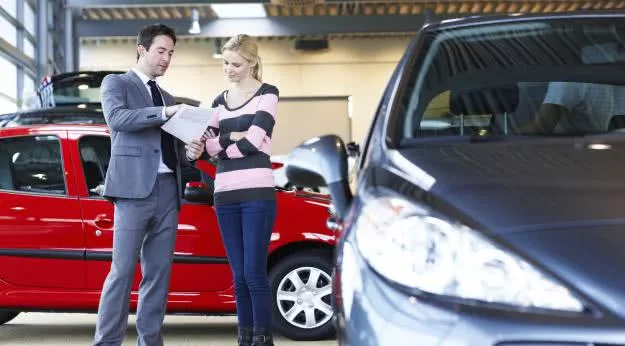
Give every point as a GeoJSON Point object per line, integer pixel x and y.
{"type": "Point", "coordinates": [144, 228]}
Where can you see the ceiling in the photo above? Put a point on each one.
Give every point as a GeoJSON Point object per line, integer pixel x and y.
{"type": "Point", "coordinates": [350, 8]}
{"type": "Point", "coordinates": [294, 18]}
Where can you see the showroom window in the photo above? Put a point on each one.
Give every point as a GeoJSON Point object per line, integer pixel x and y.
{"type": "Point", "coordinates": [19, 32]}
{"type": "Point", "coordinates": [8, 32]}
{"type": "Point", "coordinates": [29, 48]}
{"type": "Point", "coordinates": [7, 105]}
{"type": "Point", "coordinates": [9, 73]}
{"type": "Point", "coordinates": [29, 18]}
{"type": "Point", "coordinates": [29, 95]}
{"type": "Point", "coordinates": [10, 6]}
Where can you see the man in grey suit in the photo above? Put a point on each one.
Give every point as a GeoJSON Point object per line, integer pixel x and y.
{"type": "Point", "coordinates": [144, 182]}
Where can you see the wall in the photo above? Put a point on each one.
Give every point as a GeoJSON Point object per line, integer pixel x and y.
{"type": "Point", "coordinates": [359, 68]}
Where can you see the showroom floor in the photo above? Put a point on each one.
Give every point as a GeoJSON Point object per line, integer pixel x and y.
{"type": "Point", "coordinates": [77, 329]}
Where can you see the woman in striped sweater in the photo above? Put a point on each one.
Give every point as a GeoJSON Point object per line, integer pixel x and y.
{"type": "Point", "coordinates": [245, 197]}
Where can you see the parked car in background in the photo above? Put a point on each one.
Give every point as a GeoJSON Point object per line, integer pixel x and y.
{"type": "Point", "coordinates": [85, 114]}
{"type": "Point", "coordinates": [78, 88]}
{"type": "Point", "coordinates": [486, 212]}
{"type": "Point", "coordinates": [57, 233]}
{"type": "Point", "coordinates": [74, 97]}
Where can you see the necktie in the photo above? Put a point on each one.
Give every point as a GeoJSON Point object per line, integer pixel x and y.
{"type": "Point", "coordinates": [167, 141]}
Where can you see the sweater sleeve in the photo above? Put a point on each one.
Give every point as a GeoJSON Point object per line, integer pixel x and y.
{"type": "Point", "coordinates": [261, 128]}
{"type": "Point", "coordinates": [214, 146]}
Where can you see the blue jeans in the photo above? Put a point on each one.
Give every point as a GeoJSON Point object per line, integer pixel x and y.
{"type": "Point", "coordinates": [246, 230]}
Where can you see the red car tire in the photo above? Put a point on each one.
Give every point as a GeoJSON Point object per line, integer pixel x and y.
{"type": "Point", "coordinates": [302, 309]}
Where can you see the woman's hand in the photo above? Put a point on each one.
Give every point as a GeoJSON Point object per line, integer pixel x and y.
{"type": "Point", "coordinates": [235, 136]}
{"type": "Point", "coordinates": [208, 134]}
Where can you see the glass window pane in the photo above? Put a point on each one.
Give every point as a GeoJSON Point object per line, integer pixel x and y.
{"type": "Point", "coordinates": [10, 6]}
{"type": "Point", "coordinates": [9, 77]}
{"type": "Point", "coordinates": [7, 106]}
{"type": "Point", "coordinates": [95, 152]}
{"type": "Point", "coordinates": [29, 48]}
{"type": "Point", "coordinates": [32, 164]}
{"type": "Point", "coordinates": [29, 84]}
{"type": "Point", "coordinates": [29, 94]}
{"type": "Point", "coordinates": [8, 31]}
{"type": "Point", "coordinates": [29, 18]}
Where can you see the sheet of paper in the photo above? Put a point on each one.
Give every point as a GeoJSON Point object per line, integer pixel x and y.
{"type": "Point", "coordinates": [188, 123]}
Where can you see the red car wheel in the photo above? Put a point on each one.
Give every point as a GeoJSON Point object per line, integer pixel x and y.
{"type": "Point", "coordinates": [301, 285]}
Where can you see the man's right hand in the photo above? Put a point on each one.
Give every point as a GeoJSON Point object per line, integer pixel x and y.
{"type": "Point", "coordinates": [171, 110]}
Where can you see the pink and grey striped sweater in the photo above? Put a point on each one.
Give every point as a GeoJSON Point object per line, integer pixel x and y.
{"type": "Point", "coordinates": [244, 172]}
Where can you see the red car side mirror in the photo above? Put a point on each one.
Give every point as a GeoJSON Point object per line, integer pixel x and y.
{"type": "Point", "coordinates": [198, 192]}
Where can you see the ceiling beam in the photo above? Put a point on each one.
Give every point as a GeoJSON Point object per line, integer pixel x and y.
{"type": "Point", "coordinates": [272, 26]}
{"type": "Point", "coordinates": [147, 3]}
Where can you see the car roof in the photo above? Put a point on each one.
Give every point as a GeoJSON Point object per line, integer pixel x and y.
{"type": "Point", "coordinates": [86, 73]}
{"type": "Point", "coordinates": [85, 108]}
{"type": "Point", "coordinates": [590, 15]}
{"type": "Point", "coordinates": [51, 128]}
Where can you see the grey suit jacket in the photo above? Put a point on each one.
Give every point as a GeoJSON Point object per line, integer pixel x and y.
{"type": "Point", "coordinates": [134, 123]}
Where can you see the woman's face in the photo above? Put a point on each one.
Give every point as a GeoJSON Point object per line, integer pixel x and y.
{"type": "Point", "coordinates": [236, 67]}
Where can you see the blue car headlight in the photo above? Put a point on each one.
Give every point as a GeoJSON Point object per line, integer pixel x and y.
{"type": "Point", "coordinates": [410, 246]}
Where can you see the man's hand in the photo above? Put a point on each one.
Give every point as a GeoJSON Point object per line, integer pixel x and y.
{"type": "Point", "coordinates": [171, 110]}
{"type": "Point", "coordinates": [235, 136]}
{"type": "Point", "coordinates": [194, 149]}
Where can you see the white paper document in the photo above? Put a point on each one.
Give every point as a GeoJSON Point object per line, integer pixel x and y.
{"type": "Point", "coordinates": [188, 123]}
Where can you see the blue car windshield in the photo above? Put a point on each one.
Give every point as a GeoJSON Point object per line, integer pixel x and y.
{"type": "Point", "coordinates": [532, 77]}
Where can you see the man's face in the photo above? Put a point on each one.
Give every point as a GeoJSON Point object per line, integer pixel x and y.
{"type": "Point", "coordinates": [155, 61]}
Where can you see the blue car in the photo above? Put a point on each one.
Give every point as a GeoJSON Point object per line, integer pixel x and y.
{"type": "Point", "coordinates": [488, 207]}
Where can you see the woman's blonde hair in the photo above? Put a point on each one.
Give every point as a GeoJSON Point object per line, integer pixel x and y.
{"type": "Point", "coordinates": [248, 49]}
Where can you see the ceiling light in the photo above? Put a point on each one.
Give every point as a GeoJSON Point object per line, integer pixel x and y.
{"type": "Point", "coordinates": [239, 10]}
{"type": "Point", "coordinates": [195, 22]}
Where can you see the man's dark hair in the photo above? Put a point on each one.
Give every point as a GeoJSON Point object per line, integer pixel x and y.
{"type": "Point", "coordinates": [147, 34]}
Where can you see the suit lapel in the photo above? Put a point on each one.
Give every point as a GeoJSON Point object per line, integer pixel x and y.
{"type": "Point", "coordinates": [142, 89]}
{"type": "Point", "coordinates": [169, 100]}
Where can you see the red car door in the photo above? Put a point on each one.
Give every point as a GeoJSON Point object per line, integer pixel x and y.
{"type": "Point", "coordinates": [200, 263]}
{"type": "Point", "coordinates": [42, 241]}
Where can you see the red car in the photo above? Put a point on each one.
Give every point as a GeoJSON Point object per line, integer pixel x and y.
{"type": "Point", "coordinates": [56, 236]}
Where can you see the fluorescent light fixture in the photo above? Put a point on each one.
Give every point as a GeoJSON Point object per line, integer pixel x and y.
{"type": "Point", "coordinates": [239, 10]}
{"type": "Point", "coordinates": [83, 87]}
{"type": "Point", "coordinates": [195, 22]}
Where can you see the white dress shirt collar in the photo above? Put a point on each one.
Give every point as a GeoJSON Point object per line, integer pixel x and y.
{"type": "Point", "coordinates": [144, 78]}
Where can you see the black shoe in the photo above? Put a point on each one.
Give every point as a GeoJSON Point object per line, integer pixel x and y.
{"type": "Point", "coordinates": [245, 336]}
{"type": "Point", "coordinates": [262, 337]}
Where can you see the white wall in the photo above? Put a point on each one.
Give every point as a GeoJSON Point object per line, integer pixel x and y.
{"type": "Point", "coordinates": [359, 68]}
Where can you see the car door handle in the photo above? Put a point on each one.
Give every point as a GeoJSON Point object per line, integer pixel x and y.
{"type": "Point", "coordinates": [103, 221]}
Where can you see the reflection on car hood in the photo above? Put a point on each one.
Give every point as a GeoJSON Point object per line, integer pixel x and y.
{"type": "Point", "coordinates": [578, 256]}
{"type": "Point", "coordinates": [527, 184]}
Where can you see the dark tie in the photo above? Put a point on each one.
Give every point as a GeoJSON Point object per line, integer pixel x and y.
{"type": "Point", "coordinates": [167, 141]}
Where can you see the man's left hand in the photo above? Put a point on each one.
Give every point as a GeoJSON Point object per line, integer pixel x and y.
{"type": "Point", "coordinates": [194, 149]}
